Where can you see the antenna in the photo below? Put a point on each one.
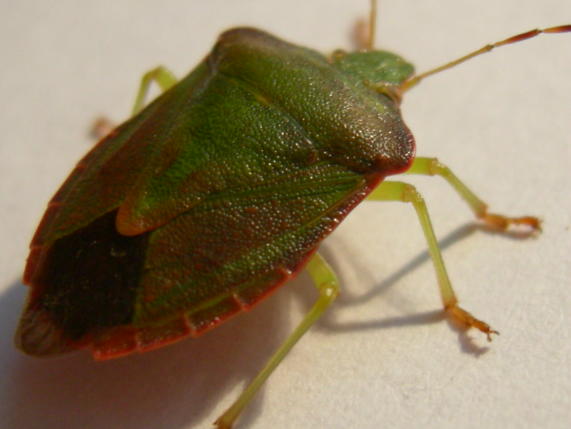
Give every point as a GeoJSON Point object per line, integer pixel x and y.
{"type": "Point", "coordinates": [415, 80]}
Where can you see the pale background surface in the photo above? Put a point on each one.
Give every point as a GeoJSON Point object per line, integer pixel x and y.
{"type": "Point", "coordinates": [502, 123]}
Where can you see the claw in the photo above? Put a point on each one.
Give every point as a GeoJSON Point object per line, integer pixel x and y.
{"type": "Point", "coordinates": [464, 318]}
{"type": "Point", "coordinates": [501, 222]}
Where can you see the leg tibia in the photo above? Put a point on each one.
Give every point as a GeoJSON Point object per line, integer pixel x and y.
{"type": "Point", "coordinates": [398, 191]}
{"type": "Point", "coordinates": [162, 76]}
{"type": "Point", "coordinates": [433, 167]}
{"type": "Point", "coordinates": [326, 282]}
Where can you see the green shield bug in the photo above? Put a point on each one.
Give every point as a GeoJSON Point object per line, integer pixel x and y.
{"type": "Point", "coordinates": [153, 277]}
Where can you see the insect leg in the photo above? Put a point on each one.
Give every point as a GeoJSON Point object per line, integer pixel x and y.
{"type": "Point", "coordinates": [101, 127]}
{"type": "Point", "coordinates": [432, 167]}
{"type": "Point", "coordinates": [162, 76]}
{"type": "Point", "coordinates": [399, 191]}
{"type": "Point", "coordinates": [326, 282]}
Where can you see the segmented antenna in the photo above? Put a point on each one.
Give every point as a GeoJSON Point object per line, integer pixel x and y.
{"type": "Point", "coordinates": [415, 80]}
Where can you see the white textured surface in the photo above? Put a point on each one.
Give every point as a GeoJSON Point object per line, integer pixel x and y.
{"type": "Point", "coordinates": [501, 122]}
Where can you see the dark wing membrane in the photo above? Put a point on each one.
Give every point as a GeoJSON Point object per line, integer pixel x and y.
{"type": "Point", "coordinates": [237, 245]}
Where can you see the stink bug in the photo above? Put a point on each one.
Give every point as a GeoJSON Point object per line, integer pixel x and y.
{"type": "Point", "coordinates": [171, 237]}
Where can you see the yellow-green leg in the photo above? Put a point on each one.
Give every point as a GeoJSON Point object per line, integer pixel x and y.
{"type": "Point", "coordinates": [326, 282]}
{"type": "Point", "coordinates": [433, 167]}
{"type": "Point", "coordinates": [162, 76]}
{"type": "Point", "coordinates": [399, 191]}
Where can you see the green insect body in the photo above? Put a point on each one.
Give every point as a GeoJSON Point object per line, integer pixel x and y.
{"type": "Point", "coordinates": [211, 196]}
{"type": "Point", "coordinates": [221, 190]}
